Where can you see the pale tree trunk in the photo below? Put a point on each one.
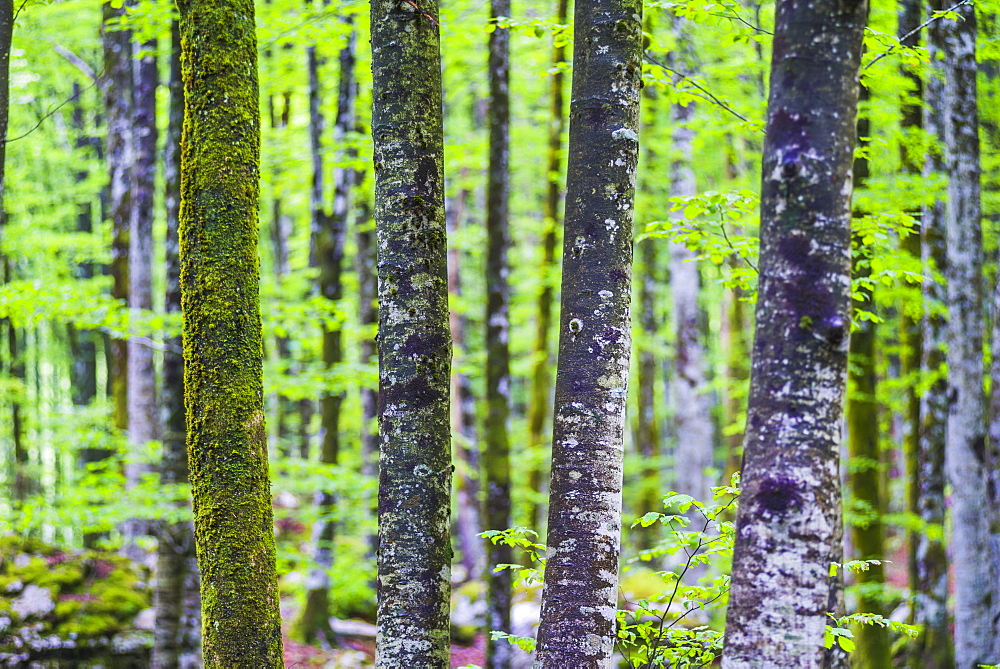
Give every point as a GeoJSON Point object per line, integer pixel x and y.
{"type": "Point", "coordinates": [541, 375]}
{"type": "Point", "coordinates": [223, 345]}
{"type": "Point", "coordinates": [468, 521]}
{"type": "Point", "coordinates": [177, 637]}
{"type": "Point", "coordinates": [118, 86]}
{"type": "Point", "coordinates": [966, 429]}
{"type": "Point", "coordinates": [414, 342]}
{"type": "Point", "coordinates": [143, 422]}
{"type": "Point", "coordinates": [692, 413]}
{"type": "Point", "coordinates": [329, 234]}
{"type": "Point", "coordinates": [788, 529]}
{"type": "Point", "coordinates": [496, 451]}
{"type": "Point", "coordinates": [584, 530]}
{"type": "Point", "coordinates": [933, 647]}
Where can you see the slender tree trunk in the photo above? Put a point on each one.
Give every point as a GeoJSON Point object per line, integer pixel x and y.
{"type": "Point", "coordinates": [692, 413]}
{"type": "Point", "coordinates": [933, 647]}
{"type": "Point", "coordinates": [581, 576]}
{"type": "Point", "coordinates": [329, 233]}
{"type": "Point", "coordinates": [866, 478]}
{"type": "Point", "coordinates": [788, 528]}
{"type": "Point", "coordinates": [966, 430]}
{"type": "Point", "coordinates": [469, 509]}
{"type": "Point", "coordinates": [223, 349]}
{"type": "Point", "coordinates": [143, 422]}
{"type": "Point", "coordinates": [496, 454]}
{"type": "Point", "coordinates": [414, 343]}
{"type": "Point", "coordinates": [118, 85]}
{"type": "Point", "coordinates": [177, 637]}
{"type": "Point", "coordinates": [541, 375]}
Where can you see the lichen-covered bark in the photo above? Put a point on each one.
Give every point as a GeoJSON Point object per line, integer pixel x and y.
{"type": "Point", "coordinates": [177, 637]}
{"type": "Point", "coordinates": [118, 85]}
{"type": "Point", "coordinates": [414, 342]}
{"type": "Point", "coordinates": [965, 441]}
{"type": "Point", "coordinates": [143, 421]}
{"type": "Point", "coordinates": [541, 375]}
{"type": "Point", "coordinates": [933, 646]}
{"type": "Point", "coordinates": [496, 452]}
{"type": "Point", "coordinates": [692, 414]}
{"type": "Point", "coordinates": [581, 576]}
{"type": "Point", "coordinates": [329, 234]}
{"type": "Point", "coordinates": [789, 523]}
{"type": "Point", "coordinates": [223, 350]}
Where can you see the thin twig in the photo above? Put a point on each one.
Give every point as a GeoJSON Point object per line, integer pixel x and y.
{"type": "Point", "coordinates": [710, 96]}
{"type": "Point", "coordinates": [722, 227]}
{"type": "Point", "coordinates": [914, 32]}
{"type": "Point", "coordinates": [51, 112]}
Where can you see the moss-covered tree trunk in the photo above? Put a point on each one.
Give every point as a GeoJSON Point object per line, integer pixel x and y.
{"type": "Point", "coordinates": [541, 374]}
{"type": "Point", "coordinates": [581, 576]}
{"type": "Point", "coordinates": [496, 451]}
{"type": "Point", "coordinates": [789, 523]}
{"type": "Point", "coordinates": [966, 428]}
{"type": "Point", "coordinates": [177, 637]}
{"type": "Point", "coordinates": [329, 234]}
{"type": "Point", "coordinates": [227, 439]}
{"type": "Point", "coordinates": [414, 341]}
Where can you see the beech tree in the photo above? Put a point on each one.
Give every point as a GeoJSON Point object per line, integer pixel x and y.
{"type": "Point", "coordinates": [788, 528]}
{"type": "Point", "coordinates": [223, 349]}
{"type": "Point", "coordinates": [581, 574]}
{"type": "Point", "coordinates": [414, 341]}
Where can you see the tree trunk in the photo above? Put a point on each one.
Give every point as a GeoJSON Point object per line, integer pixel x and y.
{"type": "Point", "coordinates": [143, 422]}
{"type": "Point", "coordinates": [788, 528]}
{"type": "Point", "coordinates": [541, 375]}
{"type": "Point", "coordinates": [469, 509]}
{"type": "Point", "coordinates": [177, 637]}
{"type": "Point", "coordinates": [581, 576]}
{"type": "Point", "coordinates": [329, 233]}
{"type": "Point", "coordinates": [118, 85]}
{"type": "Point", "coordinates": [966, 430]}
{"type": "Point", "coordinates": [692, 415]}
{"type": "Point", "coordinates": [933, 647]}
{"type": "Point", "coordinates": [496, 454]}
{"type": "Point", "coordinates": [414, 343]}
{"type": "Point", "coordinates": [223, 349]}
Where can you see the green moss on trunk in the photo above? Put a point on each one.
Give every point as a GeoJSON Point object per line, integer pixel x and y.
{"type": "Point", "coordinates": [220, 163]}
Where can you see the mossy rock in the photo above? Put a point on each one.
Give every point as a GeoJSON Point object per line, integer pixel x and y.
{"type": "Point", "coordinates": [69, 606]}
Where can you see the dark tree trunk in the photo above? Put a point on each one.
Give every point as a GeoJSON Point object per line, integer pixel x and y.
{"type": "Point", "coordinates": [329, 234]}
{"type": "Point", "coordinates": [496, 451]}
{"type": "Point", "coordinates": [177, 637]}
{"type": "Point", "coordinates": [789, 523]}
{"type": "Point", "coordinates": [414, 342]}
{"type": "Point", "coordinates": [223, 348]}
{"type": "Point", "coordinates": [581, 576]}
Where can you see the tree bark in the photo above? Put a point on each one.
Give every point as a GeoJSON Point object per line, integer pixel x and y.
{"type": "Point", "coordinates": [581, 575]}
{"type": "Point", "coordinates": [496, 454]}
{"type": "Point", "coordinates": [414, 342]}
{"type": "Point", "coordinates": [177, 637]}
{"type": "Point", "coordinates": [788, 528]}
{"type": "Point", "coordinates": [965, 440]}
{"type": "Point", "coordinates": [223, 349]}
